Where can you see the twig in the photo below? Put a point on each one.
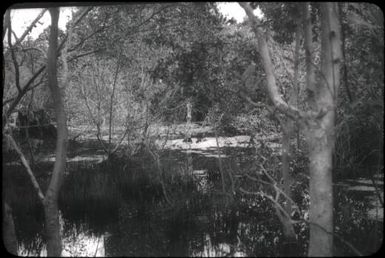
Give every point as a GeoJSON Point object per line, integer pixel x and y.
{"type": "Point", "coordinates": [268, 197]}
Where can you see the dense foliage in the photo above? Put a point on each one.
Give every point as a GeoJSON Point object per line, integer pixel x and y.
{"type": "Point", "coordinates": [131, 72]}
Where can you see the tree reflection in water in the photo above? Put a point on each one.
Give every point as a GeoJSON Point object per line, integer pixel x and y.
{"type": "Point", "coordinates": [118, 209]}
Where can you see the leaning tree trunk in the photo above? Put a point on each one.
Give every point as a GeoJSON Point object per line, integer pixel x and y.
{"type": "Point", "coordinates": [52, 225]}
{"type": "Point", "coordinates": [321, 135]}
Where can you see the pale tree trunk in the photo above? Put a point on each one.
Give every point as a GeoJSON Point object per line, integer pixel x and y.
{"type": "Point", "coordinates": [288, 125]}
{"type": "Point", "coordinates": [318, 123]}
{"type": "Point", "coordinates": [52, 224]}
{"type": "Point", "coordinates": [321, 135]}
{"type": "Point", "coordinates": [188, 121]}
{"type": "Point", "coordinates": [188, 136]}
{"type": "Point", "coordinates": [111, 111]}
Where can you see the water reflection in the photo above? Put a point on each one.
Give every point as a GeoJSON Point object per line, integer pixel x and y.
{"type": "Point", "coordinates": [119, 210]}
{"type": "Point", "coordinates": [75, 242]}
{"type": "Point", "coordinates": [219, 250]}
{"type": "Point", "coordinates": [84, 245]}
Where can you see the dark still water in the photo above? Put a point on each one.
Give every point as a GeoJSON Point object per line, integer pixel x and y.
{"type": "Point", "coordinates": [183, 206]}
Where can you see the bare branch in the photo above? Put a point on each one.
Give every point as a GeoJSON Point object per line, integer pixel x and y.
{"type": "Point", "coordinates": [87, 37]}
{"type": "Point", "coordinates": [26, 88]}
{"type": "Point", "coordinates": [273, 200]}
{"type": "Point", "coordinates": [26, 165]}
{"type": "Point", "coordinates": [36, 49]}
{"type": "Point", "coordinates": [15, 36]}
{"type": "Point", "coordinates": [84, 54]}
{"type": "Point", "coordinates": [5, 102]}
{"type": "Point", "coordinates": [273, 91]}
{"type": "Point", "coordinates": [133, 29]}
{"type": "Point", "coordinates": [14, 59]}
{"type": "Point", "coordinates": [23, 91]}
{"type": "Point", "coordinates": [76, 22]}
{"type": "Point", "coordinates": [30, 27]}
{"type": "Point", "coordinates": [281, 212]}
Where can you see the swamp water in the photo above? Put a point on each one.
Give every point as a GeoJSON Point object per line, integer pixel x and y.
{"type": "Point", "coordinates": [119, 208]}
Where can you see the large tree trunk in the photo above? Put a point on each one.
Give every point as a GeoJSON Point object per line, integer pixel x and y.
{"type": "Point", "coordinates": [321, 136]}
{"type": "Point", "coordinates": [319, 123]}
{"type": "Point", "coordinates": [52, 225]}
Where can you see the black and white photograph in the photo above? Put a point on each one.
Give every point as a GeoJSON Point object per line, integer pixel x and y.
{"type": "Point", "coordinates": [193, 129]}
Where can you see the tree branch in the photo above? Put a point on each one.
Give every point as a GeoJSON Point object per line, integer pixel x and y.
{"type": "Point", "coordinates": [14, 59]}
{"type": "Point", "coordinates": [25, 89]}
{"type": "Point", "coordinates": [279, 208]}
{"type": "Point", "coordinates": [76, 22]}
{"type": "Point", "coordinates": [273, 91]}
{"type": "Point", "coordinates": [84, 54]}
{"type": "Point", "coordinates": [149, 18]}
{"type": "Point", "coordinates": [30, 27]}
{"type": "Point", "coordinates": [26, 165]}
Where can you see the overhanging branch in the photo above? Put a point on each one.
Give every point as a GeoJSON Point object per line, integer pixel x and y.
{"type": "Point", "coordinates": [272, 87]}
{"type": "Point", "coordinates": [26, 88]}
{"type": "Point", "coordinates": [26, 165]}
{"type": "Point", "coordinates": [29, 29]}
